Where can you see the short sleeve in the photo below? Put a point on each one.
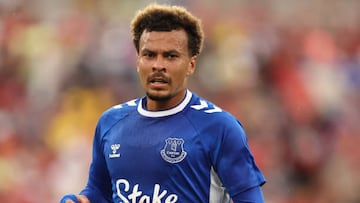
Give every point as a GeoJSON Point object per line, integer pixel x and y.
{"type": "Point", "coordinates": [235, 164]}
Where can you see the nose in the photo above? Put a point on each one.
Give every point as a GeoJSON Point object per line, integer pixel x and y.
{"type": "Point", "coordinates": [159, 64]}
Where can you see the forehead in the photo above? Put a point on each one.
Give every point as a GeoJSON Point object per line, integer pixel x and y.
{"type": "Point", "coordinates": [164, 40]}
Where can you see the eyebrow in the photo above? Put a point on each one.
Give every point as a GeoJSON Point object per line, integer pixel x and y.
{"type": "Point", "coordinates": [171, 51]}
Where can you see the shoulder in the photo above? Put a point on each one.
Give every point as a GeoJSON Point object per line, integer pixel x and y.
{"type": "Point", "coordinates": [121, 109]}
{"type": "Point", "coordinates": [204, 111]}
{"type": "Point", "coordinates": [215, 123]}
{"type": "Point", "coordinates": [116, 113]}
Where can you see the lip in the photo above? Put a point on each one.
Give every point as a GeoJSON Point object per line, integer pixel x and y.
{"type": "Point", "coordinates": [157, 81]}
{"type": "Point", "coordinates": [157, 85]}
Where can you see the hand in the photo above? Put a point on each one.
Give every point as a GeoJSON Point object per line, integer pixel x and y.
{"type": "Point", "coordinates": [71, 198]}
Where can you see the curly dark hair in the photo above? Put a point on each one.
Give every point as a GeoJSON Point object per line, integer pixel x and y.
{"type": "Point", "coordinates": [156, 17]}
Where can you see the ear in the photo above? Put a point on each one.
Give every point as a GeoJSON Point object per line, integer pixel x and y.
{"type": "Point", "coordinates": [192, 66]}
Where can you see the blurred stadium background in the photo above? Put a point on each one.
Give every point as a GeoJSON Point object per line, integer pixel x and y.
{"type": "Point", "coordinates": [289, 70]}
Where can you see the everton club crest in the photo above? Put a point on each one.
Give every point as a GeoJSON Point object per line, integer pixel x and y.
{"type": "Point", "coordinates": [173, 151]}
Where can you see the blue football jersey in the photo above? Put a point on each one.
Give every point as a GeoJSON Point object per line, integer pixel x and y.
{"type": "Point", "coordinates": [194, 152]}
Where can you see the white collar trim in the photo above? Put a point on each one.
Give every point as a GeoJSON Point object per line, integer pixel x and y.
{"type": "Point", "coordinates": [168, 112]}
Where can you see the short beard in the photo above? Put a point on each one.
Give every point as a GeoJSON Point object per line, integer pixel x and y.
{"type": "Point", "coordinates": [158, 98]}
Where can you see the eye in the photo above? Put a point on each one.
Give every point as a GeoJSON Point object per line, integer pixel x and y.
{"type": "Point", "coordinates": [148, 54]}
{"type": "Point", "coordinates": [171, 56]}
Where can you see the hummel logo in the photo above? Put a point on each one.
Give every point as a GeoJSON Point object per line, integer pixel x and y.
{"type": "Point", "coordinates": [114, 148]}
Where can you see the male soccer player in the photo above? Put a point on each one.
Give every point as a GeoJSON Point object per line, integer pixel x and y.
{"type": "Point", "coordinates": [170, 145]}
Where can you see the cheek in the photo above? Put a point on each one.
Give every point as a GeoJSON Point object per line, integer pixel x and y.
{"type": "Point", "coordinates": [141, 74]}
{"type": "Point", "coordinates": [180, 75]}
{"type": "Point", "coordinates": [141, 69]}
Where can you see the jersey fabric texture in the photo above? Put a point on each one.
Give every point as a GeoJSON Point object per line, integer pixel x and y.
{"type": "Point", "coordinates": [194, 152]}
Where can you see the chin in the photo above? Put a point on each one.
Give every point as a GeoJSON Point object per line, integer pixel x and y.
{"type": "Point", "coordinates": [158, 96]}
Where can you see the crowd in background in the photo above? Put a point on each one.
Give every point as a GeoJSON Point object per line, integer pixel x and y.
{"type": "Point", "coordinates": [288, 70]}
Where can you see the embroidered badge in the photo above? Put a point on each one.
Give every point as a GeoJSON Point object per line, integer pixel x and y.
{"type": "Point", "coordinates": [173, 151]}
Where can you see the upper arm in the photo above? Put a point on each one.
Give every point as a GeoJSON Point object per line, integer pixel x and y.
{"type": "Point", "coordinates": [252, 195]}
{"type": "Point", "coordinates": [98, 188]}
{"type": "Point", "coordinates": [235, 163]}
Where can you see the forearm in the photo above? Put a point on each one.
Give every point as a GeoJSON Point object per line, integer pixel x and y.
{"type": "Point", "coordinates": [97, 190]}
{"type": "Point", "coordinates": [72, 198]}
{"type": "Point", "coordinates": [94, 196]}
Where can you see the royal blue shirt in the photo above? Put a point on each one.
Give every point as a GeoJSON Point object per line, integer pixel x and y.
{"type": "Point", "coordinates": [194, 152]}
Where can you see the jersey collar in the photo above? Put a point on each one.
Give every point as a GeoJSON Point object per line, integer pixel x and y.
{"type": "Point", "coordinates": [168, 112]}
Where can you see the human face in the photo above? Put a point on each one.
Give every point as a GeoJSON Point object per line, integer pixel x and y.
{"type": "Point", "coordinates": [163, 65]}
